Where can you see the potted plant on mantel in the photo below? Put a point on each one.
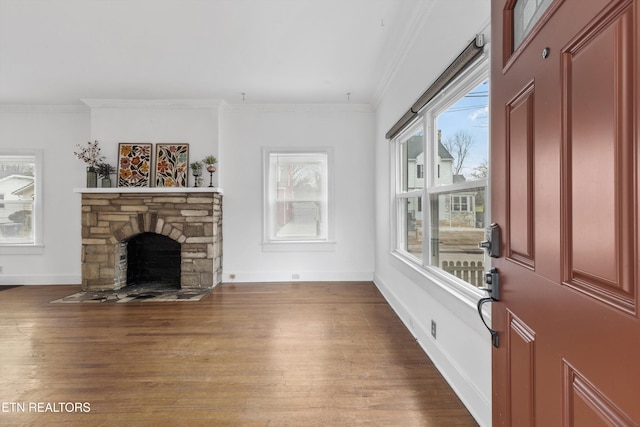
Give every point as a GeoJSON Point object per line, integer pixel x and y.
{"type": "Point", "coordinates": [210, 161]}
{"type": "Point", "coordinates": [91, 156]}
{"type": "Point", "coordinates": [104, 171]}
{"type": "Point", "coordinates": [196, 170]}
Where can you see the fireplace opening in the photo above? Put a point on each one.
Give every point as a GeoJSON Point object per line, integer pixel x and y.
{"type": "Point", "coordinates": [153, 260]}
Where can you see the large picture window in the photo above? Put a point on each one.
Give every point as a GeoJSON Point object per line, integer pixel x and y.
{"type": "Point", "coordinates": [441, 163]}
{"type": "Point", "coordinates": [297, 195]}
{"type": "Point", "coordinates": [20, 216]}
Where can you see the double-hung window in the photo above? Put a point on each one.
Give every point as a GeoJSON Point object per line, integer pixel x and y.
{"type": "Point", "coordinates": [20, 206]}
{"type": "Point", "coordinates": [441, 163]}
{"type": "Point", "coordinates": [297, 197]}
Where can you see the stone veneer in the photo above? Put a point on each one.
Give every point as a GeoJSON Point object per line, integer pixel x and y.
{"type": "Point", "coordinates": [193, 219]}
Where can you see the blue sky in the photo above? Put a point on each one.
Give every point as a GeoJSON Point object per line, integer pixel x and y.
{"type": "Point", "coordinates": [471, 114]}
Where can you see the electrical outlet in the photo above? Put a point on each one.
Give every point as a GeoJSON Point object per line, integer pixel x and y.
{"type": "Point", "coordinates": [433, 329]}
{"type": "Point", "coordinates": [295, 276]}
{"type": "Point", "coordinates": [0, 269]}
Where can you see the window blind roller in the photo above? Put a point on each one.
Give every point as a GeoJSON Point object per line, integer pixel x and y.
{"type": "Point", "coordinates": [468, 55]}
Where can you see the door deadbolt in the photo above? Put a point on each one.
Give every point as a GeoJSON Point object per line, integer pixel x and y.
{"type": "Point", "coordinates": [492, 241]}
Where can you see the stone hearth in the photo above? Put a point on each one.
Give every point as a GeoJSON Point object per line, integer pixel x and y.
{"type": "Point", "coordinates": [112, 217]}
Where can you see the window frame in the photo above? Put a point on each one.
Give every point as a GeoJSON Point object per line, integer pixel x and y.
{"type": "Point", "coordinates": [36, 246]}
{"type": "Point", "coordinates": [326, 241]}
{"type": "Point", "coordinates": [402, 197]}
{"type": "Point", "coordinates": [475, 74]}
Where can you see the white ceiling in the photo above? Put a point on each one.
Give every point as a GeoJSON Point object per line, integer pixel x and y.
{"type": "Point", "coordinates": [275, 51]}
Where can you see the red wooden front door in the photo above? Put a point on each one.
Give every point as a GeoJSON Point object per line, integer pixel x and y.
{"type": "Point", "coordinates": [565, 126]}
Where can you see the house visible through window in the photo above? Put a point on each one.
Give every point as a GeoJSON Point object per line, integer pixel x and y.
{"type": "Point", "coordinates": [18, 192]}
{"type": "Point", "coordinates": [460, 203]}
{"type": "Point", "coordinates": [297, 196]}
{"type": "Point", "coordinates": [441, 161]}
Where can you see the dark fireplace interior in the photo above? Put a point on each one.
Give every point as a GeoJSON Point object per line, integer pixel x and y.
{"type": "Point", "coordinates": [153, 260]}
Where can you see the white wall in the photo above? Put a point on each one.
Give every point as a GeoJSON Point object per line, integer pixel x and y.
{"type": "Point", "coordinates": [462, 350]}
{"type": "Point", "coordinates": [55, 130]}
{"type": "Point", "coordinates": [346, 128]}
{"type": "Point", "coordinates": [195, 122]}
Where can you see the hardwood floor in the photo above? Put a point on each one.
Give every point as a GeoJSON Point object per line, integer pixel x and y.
{"type": "Point", "coordinates": [303, 354]}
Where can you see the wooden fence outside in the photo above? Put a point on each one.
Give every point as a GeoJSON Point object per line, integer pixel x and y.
{"type": "Point", "coordinates": [469, 271]}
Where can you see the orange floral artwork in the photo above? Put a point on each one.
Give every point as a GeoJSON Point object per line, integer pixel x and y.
{"type": "Point", "coordinates": [134, 164]}
{"type": "Point", "coordinates": [172, 162]}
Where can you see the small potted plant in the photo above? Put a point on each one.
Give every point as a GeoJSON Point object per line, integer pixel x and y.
{"type": "Point", "coordinates": [104, 171]}
{"type": "Point", "coordinates": [210, 161]}
{"type": "Point", "coordinates": [196, 170]}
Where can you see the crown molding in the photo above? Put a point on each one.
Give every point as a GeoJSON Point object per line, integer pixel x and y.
{"type": "Point", "coordinates": [170, 104]}
{"type": "Point", "coordinates": [43, 108]}
{"type": "Point", "coordinates": [364, 108]}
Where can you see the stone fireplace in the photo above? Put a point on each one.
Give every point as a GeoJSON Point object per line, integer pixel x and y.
{"type": "Point", "coordinates": [169, 236]}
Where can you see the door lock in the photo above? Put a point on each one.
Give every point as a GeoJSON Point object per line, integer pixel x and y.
{"type": "Point", "coordinates": [492, 241]}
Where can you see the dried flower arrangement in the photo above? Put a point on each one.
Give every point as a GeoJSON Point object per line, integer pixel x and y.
{"type": "Point", "coordinates": [89, 154]}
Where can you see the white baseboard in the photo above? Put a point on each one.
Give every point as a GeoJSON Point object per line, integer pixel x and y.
{"type": "Point", "coordinates": [304, 276]}
{"type": "Point", "coordinates": [40, 279]}
{"type": "Point", "coordinates": [293, 276]}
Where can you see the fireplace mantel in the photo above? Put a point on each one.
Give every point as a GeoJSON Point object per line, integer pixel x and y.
{"type": "Point", "coordinates": [133, 190]}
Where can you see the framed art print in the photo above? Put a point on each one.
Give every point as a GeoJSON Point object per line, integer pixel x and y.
{"type": "Point", "coordinates": [134, 164]}
{"type": "Point", "coordinates": [172, 165]}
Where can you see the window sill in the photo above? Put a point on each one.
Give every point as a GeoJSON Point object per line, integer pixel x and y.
{"type": "Point", "coordinates": [453, 286]}
{"type": "Point", "coordinates": [299, 246]}
{"type": "Point", "coordinates": [21, 249]}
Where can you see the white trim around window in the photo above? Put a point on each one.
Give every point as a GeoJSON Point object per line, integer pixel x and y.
{"type": "Point", "coordinates": [298, 199]}
{"type": "Point", "coordinates": [33, 243]}
{"type": "Point", "coordinates": [430, 233]}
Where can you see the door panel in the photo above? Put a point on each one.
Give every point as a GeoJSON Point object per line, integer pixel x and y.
{"type": "Point", "coordinates": [599, 157]}
{"type": "Point", "coordinates": [565, 188]}
{"type": "Point", "coordinates": [586, 406]}
{"type": "Point", "coordinates": [521, 344]}
{"type": "Point", "coordinates": [520, 184]}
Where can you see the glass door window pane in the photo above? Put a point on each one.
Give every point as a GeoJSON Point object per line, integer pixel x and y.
{"type": "Point", "coordinates": [525, 15]}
